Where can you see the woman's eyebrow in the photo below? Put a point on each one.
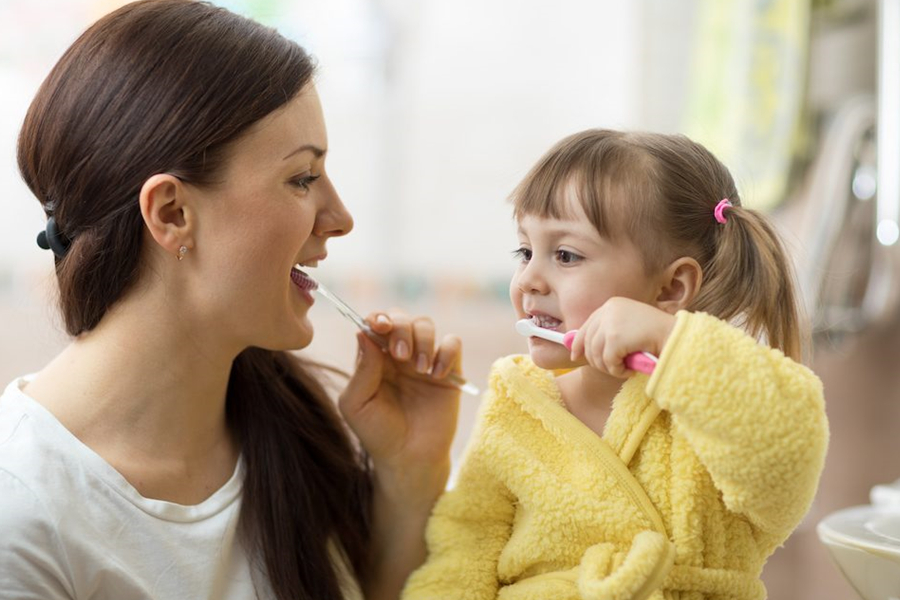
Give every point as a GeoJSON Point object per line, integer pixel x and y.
{"type": "Point", "coordinates": [319, 152]}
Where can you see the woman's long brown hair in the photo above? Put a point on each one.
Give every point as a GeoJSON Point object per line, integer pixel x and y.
{"type": "Point", "coordinates": [166, 86]}
{"type": "Point", "coordinates": [660, 191]}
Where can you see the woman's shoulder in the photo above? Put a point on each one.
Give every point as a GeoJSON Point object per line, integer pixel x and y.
{"type": "Point", "coordinates": [29, 554]}
{"type": "Point", "coordinates": [16, 410]}
{"type": "Point", "coordinates": [28, 517]}
{"type": "Point", "coordinates": [37, 462]}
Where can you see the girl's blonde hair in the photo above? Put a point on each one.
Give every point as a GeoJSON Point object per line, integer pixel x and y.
{"type": "Point", "coordinates": [660, 192]}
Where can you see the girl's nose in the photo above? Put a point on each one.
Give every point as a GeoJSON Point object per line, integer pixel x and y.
{"type": "Point", "coordinates": [531, 280]}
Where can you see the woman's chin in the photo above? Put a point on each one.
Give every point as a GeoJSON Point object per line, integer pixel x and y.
{"type": "Point", "coordinates": [294, 337]}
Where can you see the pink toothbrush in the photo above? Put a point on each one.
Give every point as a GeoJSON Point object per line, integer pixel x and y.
{"type": "Point", "coordinates": [643, 362]}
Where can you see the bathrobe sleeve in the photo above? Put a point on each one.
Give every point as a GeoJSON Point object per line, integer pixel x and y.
{"type": "Point", "coordinates": [755, 418]}
{"type": "Point", "coordinates": [468, 529]}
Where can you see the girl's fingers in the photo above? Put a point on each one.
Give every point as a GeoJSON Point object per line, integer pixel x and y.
{"type": "Point", "coordinates": [448, 357]}
{"type": "Point", "coordinates": [594, 355]}
{"type": "Point", "coordinates": [614, 361]}
{"type": "Point", "coordinates": [577, 349]}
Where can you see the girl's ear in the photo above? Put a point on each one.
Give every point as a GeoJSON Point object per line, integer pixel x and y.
{"type": "Point", "coordinates": [166, 212]}
{"type": "Point", "coordinates": [680, 284]}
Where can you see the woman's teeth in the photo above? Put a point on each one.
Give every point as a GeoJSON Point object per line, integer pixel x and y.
{"type": "Point", "coordinates": [302, 280]}
{"type": "Point", "coordinates": [545, 321]}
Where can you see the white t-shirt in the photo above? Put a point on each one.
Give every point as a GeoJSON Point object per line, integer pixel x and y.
{"type": "Point", "coordinates": [72, 527]}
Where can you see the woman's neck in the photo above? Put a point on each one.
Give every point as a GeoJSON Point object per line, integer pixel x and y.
{"type": "Point", "coordinates": [588, 395]}
{"type": "Point", "coordinates": [148, 394]}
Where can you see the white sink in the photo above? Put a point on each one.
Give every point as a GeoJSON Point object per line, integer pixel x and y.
{"type": "Point", "coordinates": [865, 543]}
{"type": "Point", "coordinates": [886, 495]}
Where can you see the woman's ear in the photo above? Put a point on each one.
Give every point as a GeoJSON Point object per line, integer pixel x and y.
{"type": "Point", "coordinates": [167, 214]}
{"type": "Point", "coordinates": [680, 284]}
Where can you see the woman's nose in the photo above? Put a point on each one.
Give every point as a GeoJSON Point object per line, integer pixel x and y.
{"type": "Point", "coordinates": [333, 219]}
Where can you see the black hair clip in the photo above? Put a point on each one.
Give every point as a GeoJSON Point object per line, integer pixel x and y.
{"type": "Point", "coordinates": [52, 238]}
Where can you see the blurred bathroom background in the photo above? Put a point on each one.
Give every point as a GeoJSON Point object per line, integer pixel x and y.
{"type": "Point", "coordinates": [437, 109]}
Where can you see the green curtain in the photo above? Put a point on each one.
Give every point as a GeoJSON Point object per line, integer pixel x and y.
{"type": "Point", "coordinates": [747, 88]}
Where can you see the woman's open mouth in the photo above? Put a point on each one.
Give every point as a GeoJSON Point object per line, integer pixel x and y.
{"type": "Point", "coordinates": [302, 280]}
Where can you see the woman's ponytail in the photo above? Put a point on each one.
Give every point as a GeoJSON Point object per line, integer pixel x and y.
{"type": "Point", "coordinates": [306, 488]}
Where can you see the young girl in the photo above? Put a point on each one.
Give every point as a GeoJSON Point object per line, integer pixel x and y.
{"type": "Point", "coordinates": [585, 480]}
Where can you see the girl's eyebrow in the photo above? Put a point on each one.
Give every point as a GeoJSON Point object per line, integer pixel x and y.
{"type": "Point", "coordinates": [557, 231]}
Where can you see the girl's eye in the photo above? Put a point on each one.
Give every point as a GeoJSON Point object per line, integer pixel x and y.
{"type": "Point", "coordinates": [303, 182]}
{"type": "Point", "coordinates": [566, 257]}
{"type": "Point", "coordinates": [523, 254]}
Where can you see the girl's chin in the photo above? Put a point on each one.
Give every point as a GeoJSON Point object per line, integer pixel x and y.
{"type": "Point", "coordinates": [550, 357]}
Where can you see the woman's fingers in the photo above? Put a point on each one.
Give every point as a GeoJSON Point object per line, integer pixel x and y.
{"type": "Point", "coordinates": [448, 357]}
{"type": "Point", "coordinates": [409, 339]}
{"type": "Point", "coordinates": [423, 343]}
{"type": "Point", "coordinates": [366, 379]}
{"type": "Point", "coordinates": [396, 328]}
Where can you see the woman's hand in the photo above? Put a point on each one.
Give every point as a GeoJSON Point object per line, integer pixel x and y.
{"type": "Point", "coordinates": [400, 406]}
{"type": "Point", "coordinates": [404, 413]}
{"type": "Point", "coordinates": [620, 327]}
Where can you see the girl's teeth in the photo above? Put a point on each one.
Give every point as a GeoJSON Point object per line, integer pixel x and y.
{"type": "Point", "coordinates": [546, 322]}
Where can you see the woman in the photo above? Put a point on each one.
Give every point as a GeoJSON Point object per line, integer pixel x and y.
{"type": "Point", "coordinates": [173, 449]}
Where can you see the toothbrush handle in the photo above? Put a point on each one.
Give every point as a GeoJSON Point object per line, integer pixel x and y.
{"type": "Point", "coordinates": [642, 362]}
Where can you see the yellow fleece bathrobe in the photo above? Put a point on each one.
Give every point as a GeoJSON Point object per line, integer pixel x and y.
{"type": "Point", "coordinates": [702, 471]}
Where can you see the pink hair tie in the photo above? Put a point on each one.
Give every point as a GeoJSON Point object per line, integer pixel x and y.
{"type": "Point", "coordinates": [720, 209]}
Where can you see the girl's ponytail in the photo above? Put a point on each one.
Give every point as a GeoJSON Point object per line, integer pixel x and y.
{"type": "Point", "coordinates": [749, 280]}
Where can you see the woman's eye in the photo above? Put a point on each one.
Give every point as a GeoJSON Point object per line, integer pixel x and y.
{"type": "Point", "coordinates": [523, 254]}
{"type": "Point", "coordinates": [566, 257]}
{"type": "Point", "coordinates": [304, 181]}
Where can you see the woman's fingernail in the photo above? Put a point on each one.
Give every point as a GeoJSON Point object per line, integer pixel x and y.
{"type": "Point", "coordinates": [382, 320]}
{"type": "Point", "coordinates": [422, 363]}
{"type": "Point", "coordinates": [438, 369]}
{"type": "Point", "coordinates": [401, 349]}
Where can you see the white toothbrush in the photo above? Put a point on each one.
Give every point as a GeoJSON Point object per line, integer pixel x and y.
{"type": "Point", "coordinates": [643, 362]}
{"type": "Point", "coordinates": [379, 339]}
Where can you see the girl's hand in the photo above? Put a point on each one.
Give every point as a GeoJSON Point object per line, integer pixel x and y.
{"type": "Point", "coordinates": [400, 407]}
{"type": "Point", "coordinates": [618, 328]}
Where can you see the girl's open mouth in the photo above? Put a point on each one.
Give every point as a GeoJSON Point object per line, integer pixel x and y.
{"type": "Point", "coordinates": [545, 322]}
